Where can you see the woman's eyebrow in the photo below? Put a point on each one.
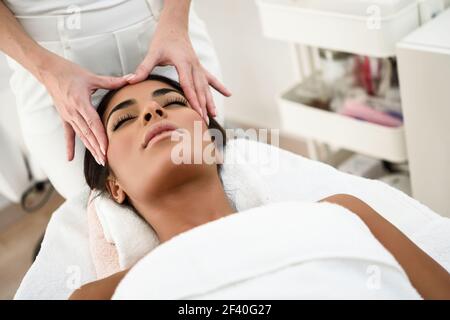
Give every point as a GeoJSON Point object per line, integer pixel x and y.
{"type": "Point", "coordinates": [122, 105]}
{"type": "Point", "coordinates": [163, 91]}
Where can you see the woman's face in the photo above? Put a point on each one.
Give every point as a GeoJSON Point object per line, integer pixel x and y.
{"type": "Point", "coordinates": [139, 121]}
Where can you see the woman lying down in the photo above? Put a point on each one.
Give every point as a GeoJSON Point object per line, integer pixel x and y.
{"type": "Point", "coordinates": [208, 250]}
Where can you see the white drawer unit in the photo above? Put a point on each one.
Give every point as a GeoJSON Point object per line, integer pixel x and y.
{"type": "Point", "coordinates": [424, 69]}
{"type": "Point", "coordinates": [365, 27]}
{"type": "Point", "coordinates": [302, 120]}
{"type": "Point", "coordinates": [419, 30]}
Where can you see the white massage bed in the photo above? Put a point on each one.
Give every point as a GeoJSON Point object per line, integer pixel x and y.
{"type": "Point", "coordinates": [65, 261]}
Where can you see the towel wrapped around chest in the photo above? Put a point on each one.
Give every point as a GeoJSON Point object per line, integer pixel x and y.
{"type": "Point", "coordinates": [285, 250]}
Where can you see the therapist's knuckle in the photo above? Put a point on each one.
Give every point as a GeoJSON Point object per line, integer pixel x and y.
{"type": "Point", "coordinates": [142, 68]}
{"type": "Point", "coordinates": [90, 122]}
{"type": "Point", "coordinates": [101, 81]}
{"type": "Point", "coordinates": [87, 132]}
{"type": "Point", "coordinates": [193, 63]}
{"type": "Point", "coordinates": [71, 112]}
{"type": "Point", "coordinates": [184, 60]}
{"type": "Point", "coordinates": [110, 80]}
{"type": "Point", "coordinates": [76, 101]}
{"type": "Point", "coordinates": [187, 85]}
{"type": "Point", "coordinates": [196, 64]}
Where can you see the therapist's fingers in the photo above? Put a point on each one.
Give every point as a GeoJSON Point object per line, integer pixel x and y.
{"type": "Point", "coordinates": [69, 134]}
{"type": "Point", "coordinates": [201, 86]}
{"type": "Point", "coordinates": [187, 84]}
{"type": "Point", "coordinates": [210, 103]}
{"type": "Point", "coordinates": [85, 133]}
{"type": "Point", "coordinates": [216, 84]}
{"type": "Point", "coordinates": [93, 121]}
{"type": "Point", "coordinates": [86, 142]}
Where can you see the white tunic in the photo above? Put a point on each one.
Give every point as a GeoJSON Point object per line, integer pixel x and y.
{"type": "Point", "coordinates": [52, 7]}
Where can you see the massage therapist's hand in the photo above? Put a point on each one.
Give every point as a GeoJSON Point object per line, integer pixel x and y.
{"type": "Point", "coordinates": [171, 45]}
{"type": "Point", "coordinates": [71, 87]}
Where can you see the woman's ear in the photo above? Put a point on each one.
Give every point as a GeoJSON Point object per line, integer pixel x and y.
{"type": "Point", "coordinates": [115, 190]}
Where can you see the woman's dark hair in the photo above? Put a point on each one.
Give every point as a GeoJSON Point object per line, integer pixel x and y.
{"type": "Point", "coordinates": [96, 175]}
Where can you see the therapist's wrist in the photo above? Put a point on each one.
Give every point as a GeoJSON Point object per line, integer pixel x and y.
{"type": "Point", "coordinates": [30, 55]}
{"type": "Point", "coordinates": [175, 14]}
{"type": "Point", "coordinates": [41, 61]}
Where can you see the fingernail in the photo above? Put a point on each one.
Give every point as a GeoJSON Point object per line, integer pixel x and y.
{"type": "Point", "coordinates": [102, 148]}
{"type": "Point", "coordinates": [101, 160]}
{"type": "Point", "coordinates": [96, 159]}
{"type": "Point", "coordinates": [207, 120]}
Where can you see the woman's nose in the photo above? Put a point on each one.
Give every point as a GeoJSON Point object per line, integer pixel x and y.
{"type": "Point", "coordinates": [153, 111]}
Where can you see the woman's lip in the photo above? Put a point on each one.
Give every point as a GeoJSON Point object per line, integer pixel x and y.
{"type": "Point", "coordinates": [156, 130]}
{"type": "Point", "coordinates": [161, 136]}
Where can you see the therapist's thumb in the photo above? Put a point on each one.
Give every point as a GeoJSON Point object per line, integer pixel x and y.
{"type": "Point", "coordinates": [106, 82]}
{"type": "Point", "coordinates": [142, 71]}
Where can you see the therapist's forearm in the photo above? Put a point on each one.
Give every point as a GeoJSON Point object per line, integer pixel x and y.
{"type": "Point", "coordinates": [17, 44]}
{"type": "Point", "coordinates": [176, 13]}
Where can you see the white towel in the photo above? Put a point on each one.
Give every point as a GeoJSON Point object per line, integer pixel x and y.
{"type": "Point", "coordinates": [132, 236]}
{"type": "Point", "coordinates": [430, 237]}
{"type": "Point", "coordinates": [278, 251]}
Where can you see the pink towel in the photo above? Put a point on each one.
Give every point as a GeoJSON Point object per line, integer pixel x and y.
{"type": "Point", "coordinates": [104, 254]}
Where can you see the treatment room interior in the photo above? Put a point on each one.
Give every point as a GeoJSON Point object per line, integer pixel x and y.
{"type": "Point", "coordinates": [373, 104]}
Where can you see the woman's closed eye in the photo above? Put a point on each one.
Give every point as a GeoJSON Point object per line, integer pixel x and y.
{"type": "Point", "coordinates": [171, 101]}
{"type": "Point", "coordinates": [174, 101]}
{"type": "Point", "coordinates": [121, 120]}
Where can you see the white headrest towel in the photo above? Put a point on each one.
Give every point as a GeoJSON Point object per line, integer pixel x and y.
{"type": "Point", "coordinates": [133, 237]}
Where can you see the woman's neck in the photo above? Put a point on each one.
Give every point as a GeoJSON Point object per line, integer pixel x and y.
{"type": "Point", "coordinates": [187, 206]}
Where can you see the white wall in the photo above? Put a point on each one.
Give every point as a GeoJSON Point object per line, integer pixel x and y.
{"type": "Point", "coordinates": [254, 68]}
